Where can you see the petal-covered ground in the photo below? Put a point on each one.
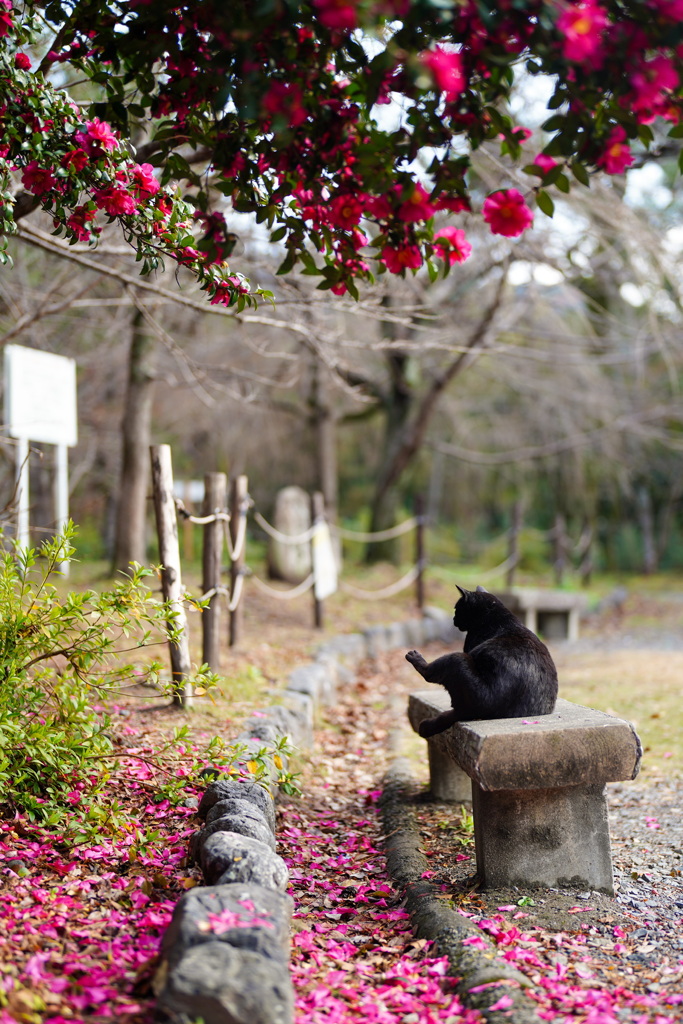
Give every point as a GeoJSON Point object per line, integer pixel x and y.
{"type": "Point", "coordinates": [80, 926]}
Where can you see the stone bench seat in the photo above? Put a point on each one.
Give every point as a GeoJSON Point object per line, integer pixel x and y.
{"type": "Point", "coordinates": [553, 613]}
{"type": "Point", "coordinates": [537, 789]}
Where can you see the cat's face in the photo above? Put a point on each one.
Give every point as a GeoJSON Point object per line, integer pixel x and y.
{"type": "Point", "coordinates": [469, 608]}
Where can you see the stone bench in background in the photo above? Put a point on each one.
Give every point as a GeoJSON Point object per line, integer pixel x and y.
{"type": "Point", "coordinates": [555, 614]}
{"type": "Point", "coordinates": [537, 789]}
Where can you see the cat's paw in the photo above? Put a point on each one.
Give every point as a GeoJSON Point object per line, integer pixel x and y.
{"type": "Point", "coordinates": [428, 728]}
{"type": "Point", "coordinates": [415, 658]}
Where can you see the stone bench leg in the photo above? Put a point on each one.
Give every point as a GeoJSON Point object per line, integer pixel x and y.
{"type": "Point", "coordinates": [543, 837]}
{"type": "Point", "coordinates": [447, 781]}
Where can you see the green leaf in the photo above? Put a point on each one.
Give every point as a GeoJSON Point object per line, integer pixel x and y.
{"type": "Point", "coordinates": [555, 123]}
{"type": "Point", "coordinates": [288, 263]}
{"type": "Point", "coordinates": [545, 203]}
{"type": "Point", "coordinates": [580, 173]}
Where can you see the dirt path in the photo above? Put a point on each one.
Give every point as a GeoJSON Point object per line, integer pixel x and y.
{"type": "Point", "coordinates": [588, 957]}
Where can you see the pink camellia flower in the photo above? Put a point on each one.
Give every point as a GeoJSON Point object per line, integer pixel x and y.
{"type": "Point", "coordinates": [37, 180]}
{"type": "Point", "coordinates": [617, 155]}
{"type": "Point", "coordinates": [116, 201]}
{"type": "Point", "coordinates": [346, 211]}
{"type": "Point", "coordinates": [454, 248]}
{"type": "Point", "coordinates": [397, 258]}
{"type": "Point", "coordinates": [506, 213]}
{"type": "Point", "coordinates": [653, 80]}
{"type": "Point", "coordinates": [447, 70]}
{"type": "Point", "coordinates": [670, 9]}
{"type": "Point", "coordinates": [143, 181]}
{"type": "Point", "coordinates": [545, 162]}
{"type": "Point", "coordinates": [100, 133]}
{"type": "Point", "coordinates": [23, 61]}
{"type": "Point", "coordinates": [5, 17]}
{"type": "Point", "coordinates": [521, 134]}
{"type": "Point", "coordinates": [336, 14]}
{"type": "Point", "coordinates": [416, 205]}
{"type": "Point", "coordinates": [582, 26]}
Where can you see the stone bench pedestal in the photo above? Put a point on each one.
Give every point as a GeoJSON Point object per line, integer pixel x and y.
{"type": "Point", "coordinates": [538, 789]}
{"type": "Point", "coordinates": [555, 614]}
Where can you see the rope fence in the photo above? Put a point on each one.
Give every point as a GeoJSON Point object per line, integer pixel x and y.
{"type": "Point", "coordinates": [224, 523]}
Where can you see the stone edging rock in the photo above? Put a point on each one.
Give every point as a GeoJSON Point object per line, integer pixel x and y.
{"type": "Point", "coordinates": [225, 955]}
{"type": "Point", "coordinates": [474, 968]}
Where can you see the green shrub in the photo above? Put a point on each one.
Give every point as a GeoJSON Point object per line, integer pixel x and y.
{"type": "Point", "coordinates": [57, 663]}
{"type": "Point", "coordinates": [61, 659]}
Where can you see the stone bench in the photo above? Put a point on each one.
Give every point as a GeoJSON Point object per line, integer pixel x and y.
{"type": "Point", "coordinates": [553, 613]}
{"type": "Point", "coordinates": [537, 789]}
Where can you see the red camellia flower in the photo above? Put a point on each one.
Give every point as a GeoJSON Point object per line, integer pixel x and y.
{"type": "Point", "coordinates": [617, 155]}
{"type": "Point", "coordinates": [506, 213]}
{"type": "Point", "coordinates": [37, 180]}
{"type": "Point", "coordinates": [143, 181]}
{"type": "Point", "coordinates": [456, 204]}
{"type": "Point", "coordinates": [397, 258]}
{"type": "Point", "coordinates": [285, 98]}
{"type": "Point", "coordinates": [75, 159]}
{"type": "Point", "coordinates": [78, 223]}
{"type": "Point", "coordinates": [21, 60]}
{"type": "Point", "coordinates": [454, 248]}
{"type": "Point", "coordinates": [446, 67]}
{"type": "Point", "coordinates": [336, 14]}
{"type": "Point", "coordinates": [582, 26]}
{"type": "Point", "coordinates": [346, 211]}
{"type": "Point", "coordinates": [416, 205]}
{"type": "Point", "coordinates": [379, 207]}
{"type": "Point", "coordinates": [116, 201]}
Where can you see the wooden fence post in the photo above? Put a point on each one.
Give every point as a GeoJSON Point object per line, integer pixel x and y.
{"type": "Point", "coordinates": [420, 550]}
{"type": "Point", "coordinates": [215, 500]}
{"type": "Point", "coordinates": [239, 496]}
{"type": "Point", "coordinates": [171, 584]}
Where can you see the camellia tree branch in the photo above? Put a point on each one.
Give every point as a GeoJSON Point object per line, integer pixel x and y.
{"type": "Point", "coordinates": [343, 126]}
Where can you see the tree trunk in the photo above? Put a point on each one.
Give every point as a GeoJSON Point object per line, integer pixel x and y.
{"type": "Point", "coordinates": [647, 529]}
{"type": "Point", "coordinates": [386, 500]}
{"type": "Point", "coordinates": [408, 416]}
{"type": "Point", "coordinates": [130, 544]}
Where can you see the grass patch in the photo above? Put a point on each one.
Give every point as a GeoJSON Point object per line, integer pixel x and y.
{"type": "Point", "coordinates": [643, 686]}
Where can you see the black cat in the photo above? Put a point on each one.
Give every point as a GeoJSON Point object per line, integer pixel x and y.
{"type": "Point", "coordinates": [504, 671]}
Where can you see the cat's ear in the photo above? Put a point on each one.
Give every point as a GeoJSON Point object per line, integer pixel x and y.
{"type": "Point", "coordinates": [482, 590]}
{"type": "Point", "coordinates": [463, 592]}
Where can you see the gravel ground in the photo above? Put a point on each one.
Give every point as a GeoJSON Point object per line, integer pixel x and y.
{"type": "Point", "coordinates": [646, 826]}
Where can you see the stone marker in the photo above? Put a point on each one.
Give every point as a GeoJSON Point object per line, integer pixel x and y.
{"type": "Point", "coordinates": [538, 790]}
{"type": "Point", "coordinates": [292, 516]}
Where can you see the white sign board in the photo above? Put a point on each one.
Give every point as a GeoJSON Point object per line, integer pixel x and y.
{"type": "Point", "coordinates": [324, 562]}
{"type": "Point", "coordinates": [40, 396]}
